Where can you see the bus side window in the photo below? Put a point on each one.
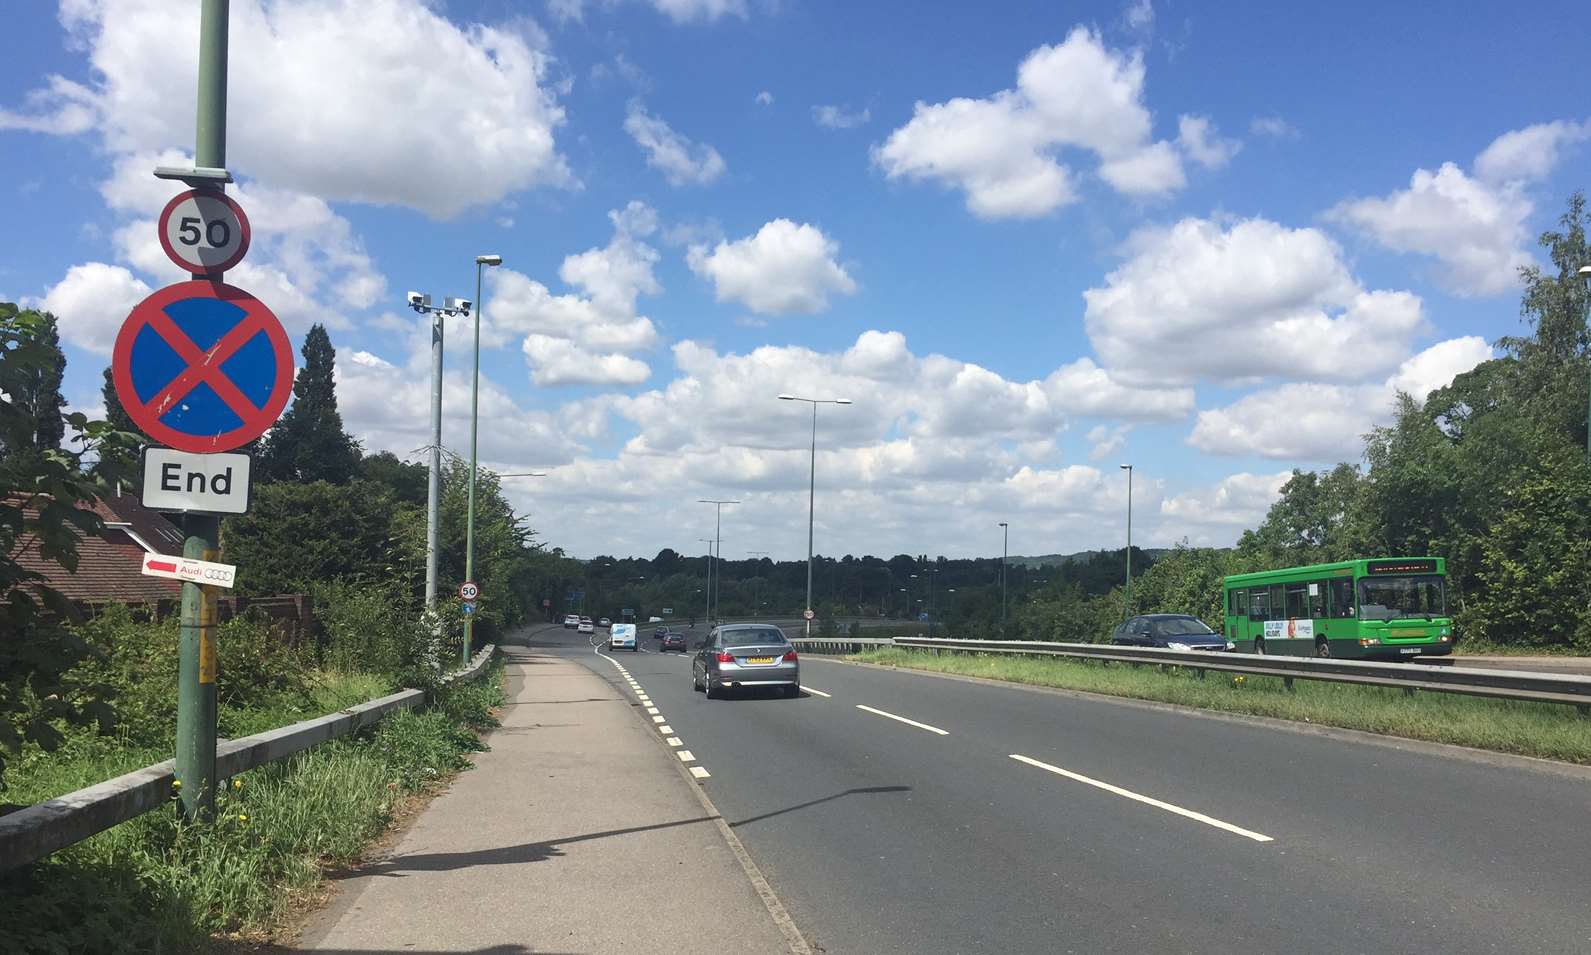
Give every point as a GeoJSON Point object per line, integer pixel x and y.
{"type": "Point", "coordinates": [1259, 604]}
{"type": "Point", "coordinates": [1297, 604]}
{"type": "Point", "coordinates": [1342, 597]}
{"type": "Point", "coordinates": [1278, 607]}
{"type": "Point", "coordinates": [1317, 599]}
{"type": "Point", "coordinates": [1238, 602]}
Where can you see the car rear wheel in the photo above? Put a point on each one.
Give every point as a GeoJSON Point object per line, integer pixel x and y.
{"type": "Point", "coordinates": [792, 691]}
{"type": "Point", "coordinates": [1323, 648]}
{"type": "Point", "coordinates": [707, 687]}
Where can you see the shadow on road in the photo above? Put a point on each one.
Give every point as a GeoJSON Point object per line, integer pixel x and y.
{"type": "Point", "coordinates": [863, 791]}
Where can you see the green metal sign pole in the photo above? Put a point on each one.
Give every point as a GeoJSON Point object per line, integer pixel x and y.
{"type": "Point", "coordinates": [196, 670]}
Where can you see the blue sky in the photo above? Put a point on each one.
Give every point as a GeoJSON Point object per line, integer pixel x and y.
{"type": "Point", "coordinates": [1030, 240]}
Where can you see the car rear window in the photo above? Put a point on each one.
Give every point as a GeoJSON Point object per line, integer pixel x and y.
{"type": "Point", "coordinates": [754, 637]}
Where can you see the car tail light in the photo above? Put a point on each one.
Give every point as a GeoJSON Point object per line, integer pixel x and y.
{"type": "Point", "coordinates": [791, 657]}
{"type": "Point", "coordinates": [724, 656]}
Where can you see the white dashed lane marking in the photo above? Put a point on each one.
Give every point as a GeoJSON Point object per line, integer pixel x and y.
{"type": "Point", "coordinates": [826, 696]}
{"type": "Point", "coordinates": [674, 742]}
{"type": "Point", "coordinates": [902, 719]}
{"type": "Point", "coordinates": [1146, 800]}
{"type": "Point", "coordinates": [700, 772]}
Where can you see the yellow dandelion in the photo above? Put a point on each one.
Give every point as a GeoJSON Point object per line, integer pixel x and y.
{"type": "Point", "coordinates": [176, 784]}
{"type": "Point", "coordinates": [237, 784]}
{"type": "Point", "coordinates": [242, 817]}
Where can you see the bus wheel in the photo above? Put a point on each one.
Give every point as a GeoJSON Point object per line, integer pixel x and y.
{"type": "Point", "coordinates": [1259, 645]}
{"type": "Point", "coordinates": [1322, 648]}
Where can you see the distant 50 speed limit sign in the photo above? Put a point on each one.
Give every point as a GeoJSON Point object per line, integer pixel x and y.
{"type": "Point", "coordinates": [204, 231]}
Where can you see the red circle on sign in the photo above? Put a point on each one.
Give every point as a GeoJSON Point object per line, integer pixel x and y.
{"type": "Point", "coordinates": [203, 367]}
{"type": "Point", "coordinates": [244, 233]}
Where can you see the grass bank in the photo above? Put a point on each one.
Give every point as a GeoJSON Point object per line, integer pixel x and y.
{"type": "Point", "coordinates": [156, 884]}
{"type": "Point", "coordinates": [1527, 729]}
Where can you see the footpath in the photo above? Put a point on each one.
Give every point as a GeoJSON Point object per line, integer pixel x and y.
{"type": "Point", "coordinates": [576, 832]}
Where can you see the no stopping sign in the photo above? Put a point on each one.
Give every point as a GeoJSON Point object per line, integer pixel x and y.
{"type": "Point", "coordinates": [204, 232]}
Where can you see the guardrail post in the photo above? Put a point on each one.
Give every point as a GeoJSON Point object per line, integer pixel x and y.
{"type": "Point", "coordinates": [1287, 682]}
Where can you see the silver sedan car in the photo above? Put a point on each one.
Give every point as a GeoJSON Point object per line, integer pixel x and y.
{"type": "Point", "coordinates": [745, 655]}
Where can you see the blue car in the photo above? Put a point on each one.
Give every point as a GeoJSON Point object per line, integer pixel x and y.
{"type": "Point", "coordinates": [1169, 631]}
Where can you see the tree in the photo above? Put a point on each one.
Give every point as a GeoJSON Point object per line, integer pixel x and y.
{"type": "Point", "coordinates": [309, 443]}
{"type": "Point", "coordinates": [40, 496]}
{"type": "Point", "coordinates": [35, 390]}
{"type": "Point", "coordinates": [297, 535]}
{"type": "Point", "coordinates": [407, 480]}
{"type": "Point", "coordinates": [118, 460]}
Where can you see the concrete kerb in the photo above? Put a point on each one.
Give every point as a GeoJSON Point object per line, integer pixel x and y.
{"type": "Point", "coordinates": [770, 899]}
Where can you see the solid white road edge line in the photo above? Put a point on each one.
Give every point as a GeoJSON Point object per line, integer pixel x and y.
{"type": "Point", "coordinates": [826, 696]}
{"type": "Point", "coordinates": [902, 719]}
{"type": "Point", "coordinates": [1146, 800]}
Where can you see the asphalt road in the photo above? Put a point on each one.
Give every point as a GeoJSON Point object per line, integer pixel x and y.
{"type": "Point", "coordinates": [1121, 827]}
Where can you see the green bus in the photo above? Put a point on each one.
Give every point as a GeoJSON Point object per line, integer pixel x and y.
{"type": "Point", "coordinates": [1379, 607]}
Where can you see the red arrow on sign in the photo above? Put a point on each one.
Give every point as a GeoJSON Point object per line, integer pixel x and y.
{"type": "Point", "coordinates": [166, 566]}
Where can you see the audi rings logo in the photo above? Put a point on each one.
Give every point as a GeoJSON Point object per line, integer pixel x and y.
{"type": "Point", "coordinates": [216, 573]}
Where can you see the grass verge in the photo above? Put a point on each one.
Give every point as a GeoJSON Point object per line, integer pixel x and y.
{"type": "Point", "coordinates": [1526, 729]}
{"type": "Point", "coordinates": [157, 884]}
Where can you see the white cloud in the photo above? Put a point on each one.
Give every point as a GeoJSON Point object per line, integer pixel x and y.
{"type": "Point", "coordinates": [92, 301]}
{"type": "Point", "coordinates": [1317, 422]}
{"type": "Point", "coordinates": [838, 117]}
{"type": "Point", "coordinates": [1003, 151]}
{"type": "Point", "coordinates": [765, 98]}
{"type": "Point", "coordinates": [558, 361]}
{"type": "Point", "coordinates": [1199, 301]}
{"type": "Point", "coordinates": [1199, 138]}
{"type": "Point", "coordinates": [1105, 440]}
{"type": "Point", "coordinates": [595, 324]}
{"type": "Point", "coordinates": [1139, 16]}
{"type": "Point", "coordinates": [687, 11]}
{"type": "Point", "coordinates": [487, 117]}
{"type": "Point", "coordinates": [1215, 514]}
{"type": "Point", "coordinates": [682, 162]}
{"type": "Point", "coordinates": [1475, 225]}
{"type": "Point", "coordinates": [785, 267]}
{"type": "Point", "coordinates": [1273, 127]}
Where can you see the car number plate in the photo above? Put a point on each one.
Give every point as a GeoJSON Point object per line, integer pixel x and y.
{"type": "Point", "coordinates": [759, 659]}
{"type": "Point", "coordinates": [1409, 650]}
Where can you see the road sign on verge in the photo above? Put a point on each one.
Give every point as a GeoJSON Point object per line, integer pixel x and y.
{"type": "Point", "coordinates": [190, 570]}
{"type": "Point", "coordinates": [204, 231]}
{"type": "Point", "coordinates": [202, 367]}
{"type": "Point", "coordinates": [468, 608]}
{"type": "Point", "coordinates": [807, 614]}
{"type": "Point", "coordinates": [205, 483]}
{"type": "Point", "coordinates": [468, 590]}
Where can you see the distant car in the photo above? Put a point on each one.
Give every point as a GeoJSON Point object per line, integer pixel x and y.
{"type": "Point", "coordinates": [746, 655]}
{"type": "Point", "coordinates": [673, 640]}
{"type": "Point", "coordinates": [585, 619]}
{"type": "Point", "coordinates": [654, 619]}
{"type": "Point", "coordinates": [585, 627]}
{"type": "Point", "coordinates": [622, 637]}
{"type": "Point", "coordinates": [571, 621]}
{"type": "Point", "coordinates": [604, 622]}
{"type": "Point", "coordinates": [1169, 631]}
{"type": "Point", "coordinates": [660, 634]}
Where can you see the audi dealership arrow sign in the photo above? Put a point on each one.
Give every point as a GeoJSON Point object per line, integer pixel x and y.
{"type": "Point", "coordinates": [189, 570]}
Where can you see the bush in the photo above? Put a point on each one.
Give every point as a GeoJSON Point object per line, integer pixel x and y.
{"type": "Point", "coordinates": [376, 629]}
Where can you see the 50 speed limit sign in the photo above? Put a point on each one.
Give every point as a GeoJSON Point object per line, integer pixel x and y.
{"type": "Point", "coordinates": [204, 232]}
{"type": "Point", "coordinates": [468, 590]}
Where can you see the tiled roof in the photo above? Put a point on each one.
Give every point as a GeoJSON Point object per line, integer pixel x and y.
{"type": "Point", "coordinates": [108, 562]}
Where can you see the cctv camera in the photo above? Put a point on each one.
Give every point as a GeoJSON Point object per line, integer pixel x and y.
{"type": "Point", "coordinates": [419, 302]}
{"type": "Point", "coordinates": [463, 305]}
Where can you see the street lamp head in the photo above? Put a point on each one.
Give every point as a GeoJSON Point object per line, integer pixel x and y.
{"type": "Point", "coordinates": [787, 397]}
{"type": "Point", "coordinates": [1125, 467]}
{"type": "Point", "coordinates": [1005, 524]}
{"type": "Point", "coordinates": [842, 401]}
{"type": "Point", "coordinates": [488, 260]}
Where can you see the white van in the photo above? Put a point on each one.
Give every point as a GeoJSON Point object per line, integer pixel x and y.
{"type": "Point", "coordinates": [622, 637]}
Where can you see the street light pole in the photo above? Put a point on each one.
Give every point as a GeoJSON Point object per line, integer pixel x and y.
{"type": "Point", "coordinates": [481, 261]}
{"type": "Point", "coordinates": [1127, 605]}
{"type": "Point", "coordinates": [756, 592]}
{"type": "Point", "coordinates": [709, 542]}
{"type": "Point", "coordinates": [812, 488]}
{"type": "Point", "coordinates": [718, 538]}
{"type": "Point", "coordinates": [1585, 276]}
{"type": "Point", "coordinates": [1005, 549]}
